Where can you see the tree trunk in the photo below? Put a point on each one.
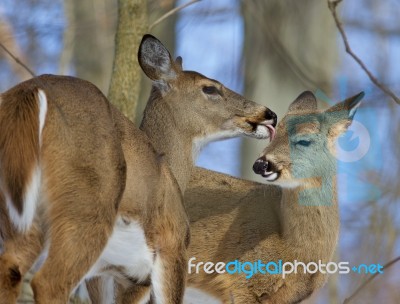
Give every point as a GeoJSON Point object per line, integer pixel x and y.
{"type": "Point", "coordinates": [164, 31]}
{"type": "Point", "coordinates": [93, 25]}
{"type": "Point", "coordinates": [126, 76]}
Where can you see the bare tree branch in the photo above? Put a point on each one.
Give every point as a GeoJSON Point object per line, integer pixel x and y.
{"type": "Point", "coordinates": [355, 293]}
{"type": "Point", "coordinates": [171, 12]}
{"type": "Point", "coordinates": [332, 4]}
{"type": "Point", "coordinates": [17, 60]}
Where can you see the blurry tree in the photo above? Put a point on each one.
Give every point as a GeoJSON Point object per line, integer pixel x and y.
{"type": "Point", "coordinates": [165, 30]}
{"type": "Point", "coordinates": [7, 38]}
{"type": "Point", "coordinates": [89, 40]}
{"type": "Point", "coordinates": [125, 78]}
{"type": "Point", "coordinates": [288, 49]}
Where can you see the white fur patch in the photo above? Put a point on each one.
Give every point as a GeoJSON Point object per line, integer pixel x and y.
{"type": "Point", "coordinates": [292, 184]}
{"type": "Point", "coordinates": [42, 112]}
{"type": "Point", "coordinates": [157, 282]}
{"type": "Point", "coordinates": [30, 200]}
{"type": "Point", "coordinates": [354, 109]}
{"type": "Point", "coordinates": [271, 176]}
{"type": "Point", "coordinates": [200, 142]}
{"type": "Point", "coordinates": [262, 132]}
{"type": "Point", "coordinates": [126, 248]}
{"type": "Point", "coordinates": [108, 290]}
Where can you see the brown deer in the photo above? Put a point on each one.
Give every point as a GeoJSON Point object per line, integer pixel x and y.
{"type": "Point", "coordinates": [85, 194]}
{"type": "Point", "coordinates": [293, 217]}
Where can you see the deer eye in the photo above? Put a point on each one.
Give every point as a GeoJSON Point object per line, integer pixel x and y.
{"type": "Point", "coordinates": [210, 90]}
{"type": "Point", "coordinates": [303, 142]}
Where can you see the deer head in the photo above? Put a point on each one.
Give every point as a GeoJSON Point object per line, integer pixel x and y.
{"type": "Point", "coordinates": [203, 108]}
{"type": "Point", "coordinates": [304, 146]}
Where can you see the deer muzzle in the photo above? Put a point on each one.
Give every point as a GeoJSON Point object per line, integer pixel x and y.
{"type": "Point", "coordinates": [265, 169]}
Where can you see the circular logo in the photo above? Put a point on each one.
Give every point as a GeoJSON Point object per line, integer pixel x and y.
{"type": "Point", "coordinates": [359, 138]}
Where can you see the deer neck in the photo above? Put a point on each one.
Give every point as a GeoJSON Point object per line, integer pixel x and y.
{"type": "Point", "coordinates": [170, 139]}
{"type": "Point", "coordinates": [309, 217]}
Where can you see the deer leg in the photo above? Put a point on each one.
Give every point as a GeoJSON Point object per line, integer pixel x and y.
{"type": "Point", "coordinates": [20, 253]}
{"type": "Point", "coordinates": [10, 279]}
{"type": "Point", "coordinates": [168, 277]}
{"type": "Point", "coordinates": [94, 288]}
{"type": "Point", "coordinates": [135, 294]}
{"type": "Point", "coordinates": [68, 261]}
{"type": "Point", "coordinates": [81, 222]}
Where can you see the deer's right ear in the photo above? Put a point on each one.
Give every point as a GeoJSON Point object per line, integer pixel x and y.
{"type": "Point", "coordinates": [348, 106]}
{"type": "Point", "coordinates": [179, 63]}
{"type": "Point", "coordinates": [155, 60]}
{"type": "Point", "coordinates": [306, 101]}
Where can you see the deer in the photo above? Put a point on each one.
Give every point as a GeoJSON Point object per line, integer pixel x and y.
{"type": "Point", "coordinates": [292, 216]}
{"type": "Point", "coordinates": [85, 195]}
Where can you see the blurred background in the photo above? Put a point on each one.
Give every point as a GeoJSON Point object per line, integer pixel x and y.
{"type": "Point", "coordinates": [270, 51]}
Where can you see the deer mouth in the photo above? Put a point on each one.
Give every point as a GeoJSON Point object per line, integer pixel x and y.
{"type": "Point", "coordinates": [263, 130]}
{"type": "Point", "coordinates": [266, 169]}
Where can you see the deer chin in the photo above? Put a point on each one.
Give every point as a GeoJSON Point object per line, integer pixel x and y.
{"type": "Point", "coordinates": [286, 183]}
{"type": "Point", "coordinates": [279, 178]}
{"type": "Point", "coordinates": [263, 131]}
{"type": "Point", "coordinates": [259, 130]}
{"type": "Point", "coordinates": [270, 176]}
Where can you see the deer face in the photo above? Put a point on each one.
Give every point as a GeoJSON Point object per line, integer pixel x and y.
{"type": "Point", "coordinates": [205, 108]}
{"type": "Point", "coordinates": [304, 146]}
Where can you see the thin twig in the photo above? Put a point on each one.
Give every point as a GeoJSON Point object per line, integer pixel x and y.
{"type": "Point", "coordinates": [354, 294]}
{"type": "Point", "coordinates": [332, 4]}
{"type": "Point", "coordinates": [171, 12]}
{"type": "Point", "coordinates": [17, 60]}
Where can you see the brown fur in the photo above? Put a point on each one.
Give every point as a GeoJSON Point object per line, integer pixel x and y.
{"type": "Point", "coordinates": [78, 201]}
{"type": "Point", "coordinates": [89, 152]}
{"type": "Point", "coordinates": [19, 125]}
{"type": "Point", "coordinates": [234, 219]}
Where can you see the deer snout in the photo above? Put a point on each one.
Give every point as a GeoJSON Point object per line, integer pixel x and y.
{"type": "Point", "coordinates": [271, 116]}
{"type": "Point", "coordinates": [260, 166]}
{"type": "Point", "coordinates": [265, 168]}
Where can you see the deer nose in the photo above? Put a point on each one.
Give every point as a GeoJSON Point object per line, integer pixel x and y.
{"type": "Point", "coordinates": [260, 166]}
{"type": "Point", "coordinates": [269, 115]}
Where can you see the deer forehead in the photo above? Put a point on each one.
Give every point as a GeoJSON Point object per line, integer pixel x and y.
{"type": "Point", "coordinates": [190, 77]}
{"type": "Point", "coordinates": [300, 123]}
{"type": "Point", "coordinates": [308, 128]}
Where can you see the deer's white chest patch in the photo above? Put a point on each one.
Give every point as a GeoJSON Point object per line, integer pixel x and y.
{"type": "Point", "coordinates": [126, 248]}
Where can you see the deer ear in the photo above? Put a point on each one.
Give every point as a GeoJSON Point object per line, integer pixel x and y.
{"type": "Point", "coordinates": [348, 107]}
{"type": "Point", "coordinates": [306, 101]}
{"type": "Point", "coordinates": [179, 63]}
{"type": "Point", "coordinates": [155, 60]}
{"type": "Point", "coordinates": [340, 116]}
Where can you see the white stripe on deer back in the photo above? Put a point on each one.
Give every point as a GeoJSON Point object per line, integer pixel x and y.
{"type": "Point", "coordinates": [42, 112]}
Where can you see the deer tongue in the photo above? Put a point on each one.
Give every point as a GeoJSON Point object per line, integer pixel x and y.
{"type": "Point", "coordinates": [272, 132]}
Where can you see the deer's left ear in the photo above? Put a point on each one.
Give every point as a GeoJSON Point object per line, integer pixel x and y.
{"type": "Point", "coordinates": [155, 60]}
